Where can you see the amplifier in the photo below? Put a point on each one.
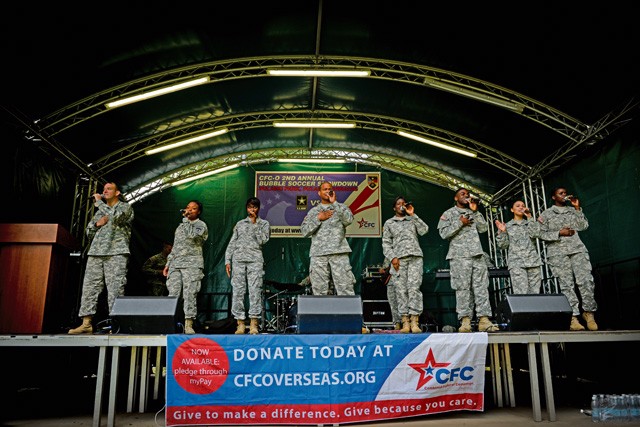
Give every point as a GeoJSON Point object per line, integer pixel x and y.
{"type": "Point", "coordinates": [372, 288]}
{"type": "Point", "coordinates": [376, 311]}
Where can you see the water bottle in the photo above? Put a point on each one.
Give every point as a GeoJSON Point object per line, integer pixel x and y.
{"type": "Point", "coordinates": [595, 408]}
{"type": "Point", "coordinates": [634, 413]}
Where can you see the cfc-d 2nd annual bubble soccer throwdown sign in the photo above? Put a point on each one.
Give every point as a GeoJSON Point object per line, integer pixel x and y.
{"type": "Point", "coordinates": [286, 197]}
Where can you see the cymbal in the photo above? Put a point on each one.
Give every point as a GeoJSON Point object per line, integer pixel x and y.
{"type": "Point", "coordinates": [290, 287]}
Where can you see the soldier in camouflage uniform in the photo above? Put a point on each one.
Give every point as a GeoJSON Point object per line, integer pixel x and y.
{"type": "Point", "coordinates": [568, 256]}
{"type": "Point", "coordinates": [244, 258]}
{"type": "Point", "coordinates": [109, 231]}
{"type": "Point", "coordinates": [326, 224]}
{"type": "Point", "coordinates": [461, 225]}
{"type": "Point", "coordinates": [518, 236]}
{"type": "Point", "coordinates": [185, 263]}
{"type": "Point", "coordinates": [400, 244]}
{"type": "Point", "coordinates": [153, 269]}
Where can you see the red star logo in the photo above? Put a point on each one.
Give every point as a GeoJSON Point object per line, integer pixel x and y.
{"type": "Point", "coordinates": [362, 222]}
{"type": "Point", "coordinates": [426, 368]}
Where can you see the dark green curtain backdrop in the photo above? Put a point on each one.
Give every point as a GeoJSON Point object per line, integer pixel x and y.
{"type": "Point", "coordinates": [606, 180]}
{"type": "Point", "coordinates": [286, 259]}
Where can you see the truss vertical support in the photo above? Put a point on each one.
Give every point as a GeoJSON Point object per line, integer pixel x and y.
{"type": "Point", "coordinates": [82, 207]}
{"type": "Point", "coordinates": [499, 286]}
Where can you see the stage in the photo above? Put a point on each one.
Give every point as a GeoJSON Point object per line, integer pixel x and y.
{"type": "Point", "coordinates": [147, 350]}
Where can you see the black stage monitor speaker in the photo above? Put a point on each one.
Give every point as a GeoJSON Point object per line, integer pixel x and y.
{"type": "Point", "coordinates": [328, 314]}
{"type": "Point", "coordinates": [140, 315]}
{"type": "Point", "coordinates": [535, 312]}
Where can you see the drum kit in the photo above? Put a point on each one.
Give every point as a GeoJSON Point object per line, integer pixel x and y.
{"type": "Point", "coordinates": [280, 305]}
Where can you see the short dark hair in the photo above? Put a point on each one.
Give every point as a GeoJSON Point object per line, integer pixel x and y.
{"type": "Point", "coordinates": [398, 198]}
{"type": "Point", "coordinates": [553, 192]}
{"type": "Point", "coordinates": [253, 201]}
{"type": "Point", "coordinates": [197, 202]}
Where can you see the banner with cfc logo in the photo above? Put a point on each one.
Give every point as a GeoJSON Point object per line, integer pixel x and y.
{"type": "Point", "coordinates": [321, 379]}
{"type": "Point", "coordinates": [286, 197]}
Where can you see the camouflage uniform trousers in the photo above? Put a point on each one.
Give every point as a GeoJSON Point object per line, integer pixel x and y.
{"type": "Point", "coordinates": [564, 267]}
{"type": "Point", "coordinates": [186, 281]}
{"type": "Point", "coordinates": [470, 280]}
{"type": "Point", "coordinates": [525, 280]}
{"type": "Point", "coordinates": [158, 289]}
{"type": "Point", "coordinates": [246, 275]}
{"type": "Point", "coordinates": [101, 271]}
{"type": "Point", "coordinates": [408, 284]}
{"type": "Point", "coordinates": [393, 300]}
{"type": "Point", "coordinates": [335, 266]}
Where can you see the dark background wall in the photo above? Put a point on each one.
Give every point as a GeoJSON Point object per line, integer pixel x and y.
{"type": "Point", "coordinates": [606, 179]}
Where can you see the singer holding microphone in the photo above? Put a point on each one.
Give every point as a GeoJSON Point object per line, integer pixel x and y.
{"type": "Point", "coordinates": [400, 244]}
{"type": "Point", "coordinates": [109, 231]}
{"type": "Point", "coordinates": [461, 225]}
{"type": "Point", "coordinates": [518, 237]}
{"type": "Point", "coordinates": [568, 256]}
{"type": "Point", "coordinates": [185, 263]}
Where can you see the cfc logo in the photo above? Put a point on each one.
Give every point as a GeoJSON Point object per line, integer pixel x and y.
{"type": "Point", "coordinates": [363, 223]}
{"type": "Point", "coordinates": [440, 371]}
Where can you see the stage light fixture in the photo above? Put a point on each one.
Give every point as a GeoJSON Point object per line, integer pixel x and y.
{"type": "Point", "coordinates": [436, 144]}
{"type": "Point", "coordinates": [157, 92]}
{"type": "Point", "coordinates": [186, 141]}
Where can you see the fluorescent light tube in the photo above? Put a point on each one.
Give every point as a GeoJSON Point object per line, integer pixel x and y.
{"type": "Point", "coordinates": [475, 95]}
{"type": "Point", "coordinates": [157, 92]}
{"type": "Point", "coordinates": [311, 124]}
{"type": "Point", "coordinates": [203, 175]}
{"type": "Point", "coordinates": [186, 141]}
{"type": "Point", "coordinates": [306, 72]}
{"type": "Point", "coordinates": [436, 144]}
{"type": "Point", "coordinates": [311, 160]}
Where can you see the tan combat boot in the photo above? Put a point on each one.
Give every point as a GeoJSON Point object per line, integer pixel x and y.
{"type": "Point", "coordinates": [397, 326]}
{"type": "Point", "coordinates": [415, 326]}
{"type": "Point", "coordinates": [253, 327]}
{"type": "Point", "coordinates": [591, 321]}
{"type": "Point", "coordinates": [485, 325]}
{"type": "Point", "coordinates": [465, 324]}
{"type": "Point", "coordinates": [188, 327]}
{"type": "Point", "coordinates": [241, 327]}
{"type": "Point", "coordinates": [85, 328]}
{"type": "Point", "coordinates": [575, 324]}
{"type": "Point", "coordinates": [406, 328]}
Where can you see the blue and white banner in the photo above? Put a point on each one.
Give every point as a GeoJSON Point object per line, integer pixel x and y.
{"type": "Point", "coordinates": [321, 379]}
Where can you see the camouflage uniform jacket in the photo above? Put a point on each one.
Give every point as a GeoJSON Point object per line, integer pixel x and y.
{"type": "Point", "coordinates": [113, 237]}
{"type": "Point", "coordinates": [519, 239]}
{"type": "Point", "coordinates": [400, 236]}
{"type": "Point", "coordinates": [328, 236]}
{"type": "Point", "coordinates": [464, 241]}
{"type": "Point", "coordinates": [153, 267]}
{"type": "Point", "coordinates": [247, 240]}
{"type": "Point", "coordinates": [187, 245]}
{"type": "Point", "coordinates": [557, 217]}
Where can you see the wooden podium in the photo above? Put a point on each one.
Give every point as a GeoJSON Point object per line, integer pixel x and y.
{"type": "Point", "coordinates": [34, 260]}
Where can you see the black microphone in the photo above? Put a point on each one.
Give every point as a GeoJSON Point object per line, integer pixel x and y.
{"type": "Point", "coordinates": [183, 211]}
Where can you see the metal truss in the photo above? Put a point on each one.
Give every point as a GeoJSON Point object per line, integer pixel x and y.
{"type": "Point", "coordinates": [249, 158]}
{"type": "Point", "coordinates": [239, 122]}
{"type": "Point", "coordinates": [218, 71]}
{"type": "Point", "coordinates": [599, 131]}
{"type": "Point", "coordinates": [83, 208]}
